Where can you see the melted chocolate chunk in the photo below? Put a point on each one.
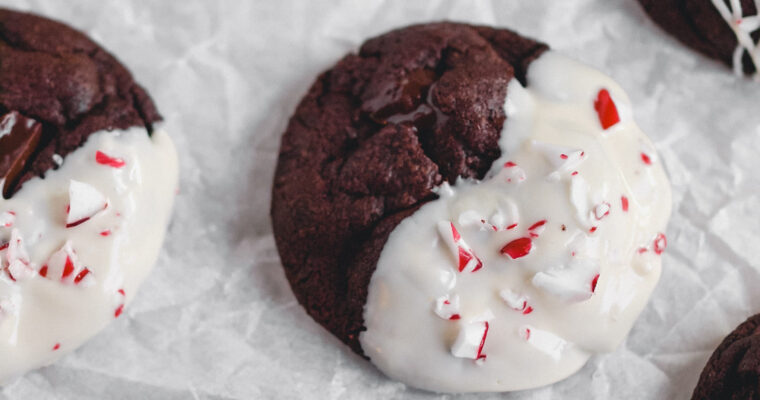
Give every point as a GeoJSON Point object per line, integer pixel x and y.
{"type": "Point", "coordinates": [67, 83]}
{"type": "Point", "coordinates": [19, 137]}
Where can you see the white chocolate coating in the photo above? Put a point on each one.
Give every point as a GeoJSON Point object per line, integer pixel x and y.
{"type": "Point", "coordinates": [43, 318]}
{"type": "Point", "coordinates": [545, 312]}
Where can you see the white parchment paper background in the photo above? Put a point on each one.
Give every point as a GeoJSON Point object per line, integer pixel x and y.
{"type": "Point", "coordinates": [217, 320]}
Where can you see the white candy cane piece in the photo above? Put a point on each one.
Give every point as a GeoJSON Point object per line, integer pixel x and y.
{"type": "Point", "coordinates": [513, 173]}
{"type": "Point", "coordinates": [563, 159]}
{"type": "Point", "coordinates": [84, 202]}
{"type": "Point", "coordinates": [544, 341]}
{"type": "Point", "coordinates": [465, 258]}
{"type": "Point", "coordinates": [64, 266]}
{"type": "Point", "coordinates": [516, 301]}
{"type": "Point", "coordinates": [7, 219]}
{"type": "Point", "coordinates": [447, 307]}
{"type": "Point", "coordinates": [17, 262]}
{"type": "Point", "coordinates": [472, 338]}
{"type": "Point", "coordinates": [572, 283]}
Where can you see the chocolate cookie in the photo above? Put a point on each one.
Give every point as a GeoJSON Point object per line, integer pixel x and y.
{"type": "Point", "coordinates": [733, 371]}
{"type": "Point", "coordinates": [725, 30]}
{"type": "Point", "coordinates": [84, 212]}
{"type": "Point", "coordinates": [369, 142]}
{"type": "Point", "coordinates": [61, 79]}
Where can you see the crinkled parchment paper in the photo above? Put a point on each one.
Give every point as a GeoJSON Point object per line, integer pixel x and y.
{"type": "Point", "coordinates": [217, 320]}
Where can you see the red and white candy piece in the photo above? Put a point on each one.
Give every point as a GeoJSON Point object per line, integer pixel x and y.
{"type": "Point", "coordinates": [7, 219]}
{"type": "Point", "coordinates": [606, 109]}
{"type": "Point", "coordinates": [648, 154]}
{"type": "Point", "coordinates": [447, 307]}
{"type": "Point", "coordinates": [466, 259]}
{"type": "Point", "coordinates": [84, 202]}
{"type": "Point", "coordinates": [121, 296]}
{"type": "Point", "coordinates": [517, 248]}
{"type": "Point", "coordinates": [104, 159]}
{"type": "Point", "coordinates": [572, 283]}
{"type": "Point", "coordinates": [544, 341]}
{"type": "Point", "coordinates": [513, 173]}
{"type": "Point", "coordinates": [472, 338]}
{"type": "Point", "coordinates": [516, 301]}
{"type": "Point", "coordinates": [64, 266]}
{"type": "Point", "coordinates": [564, 160]}
{"type": "Point", "coordinates": [17, 264]}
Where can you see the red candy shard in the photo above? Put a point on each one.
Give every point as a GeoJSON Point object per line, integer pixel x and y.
{"type": "Point", "coordinates": [105, 232]}
{"type": "Point", "coordinates": [528, 309]}
{"type": "Point", "coordinates": [57, 346]}
{"type": "Point", "coordinates": [455, 233]}
{"type": "Point", "coordinates": [105, 159]}
{"type": "Point", "coordinates": [517, 248]}
{"type": "Point", "coordinates": [605, 108]}
{"type": "Point", "coordinates": [513, 226]}
{"type": "Point", "coordinates": [592, 230]}
{"type": "Point", "coordinates": [482, 343]}
{"type": "Point", "coordinates": [455, 317]}
{"type": "Point", "coordinates": [118, 311]}
{"type": "Point", "coordinates": [624, 203]}
{"type": "Point", "coordinates": [509, 164]}
{"type": "Point", "coordinates": [537, 224]}
{"type": "Point", "coordinates": [43, 271]}
{"type": "Point", "coordinates": [464, 259]}
{"type": "Point", "coordinates": [594, 282]}
{"type": "Point", "coordinates": [660, 243]}
{"type": "Point", "coordinates": [646, 159]}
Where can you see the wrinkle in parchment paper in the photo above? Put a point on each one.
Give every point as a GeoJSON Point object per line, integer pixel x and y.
{"type": "Point", "coordinates": [217, 320]}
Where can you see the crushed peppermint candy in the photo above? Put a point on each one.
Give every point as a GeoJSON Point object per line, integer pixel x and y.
{"type": "Point", "coordinates": [572, 283]}
{"type": "Point", "coordinates": [466, 259]}
{"type": "Point", "coordinates": [606, 109]}
{"type": "Point", "coordinates": [447, 307]}
{"type": "Point", "coordinates": [513, 173]}
{"type": "Point", "coordinates": [624, 203]}
{"type": "Point", "coordinates": [104, 159]}
{"type": "Point", "coordinates": [517, 248]}
{"type": "Point", "coordinates": [472, 338]}
{"type": "Point", "coordinates": [64, 266]}
{"type": "Point", "coordinates": [16, 261]}
{"type": "Point", "coordinates": [516, 301]}
{"type": "Point", "coordinates": [7, 219]}
{"type": "Point", "coordinates": [660, 243]}
{"type": "Point", "coordinates": [564, 160]}
{"type": "Point", "coordinates": [544, 341]}
{"type": "Point", "coordinates": [84, 202]}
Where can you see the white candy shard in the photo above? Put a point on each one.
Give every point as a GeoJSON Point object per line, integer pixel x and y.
{"type": "Point", "coordinates": [516, 301]}
{"type": "Point", "coordinates": [7, 219]}
{"type": "Point", "coordinates": [571, 283]}
{"type": "Point", "coordinates": [472, 337]}
{"type": "Point", "coordinates": [465, 258]}
{"type": "Point", "coordinates": [447, 307]}
{"type": "Point", "coordinates": [506, 216]}
{"type": "Point", "coordinates": [84, 202]}
{"type": "Point", "coordinates": [513, 173]}
{"type": "Point", "coordinates": [544, 341]}
{"type": "Point", "coordinates": [64, 266]}
{"type": "Point", "coordinates": [563, 159]}
{"type": "Point", "coordinates": [16, 260]}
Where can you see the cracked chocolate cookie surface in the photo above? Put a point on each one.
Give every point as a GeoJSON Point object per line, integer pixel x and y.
{"type": "Point", "coordinates": [369, 142]}
{"type": "Point", "coordinates": [56, 76]}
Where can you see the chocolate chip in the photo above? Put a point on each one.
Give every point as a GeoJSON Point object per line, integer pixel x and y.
{"type": "Point", "coordinates": [19, 137]}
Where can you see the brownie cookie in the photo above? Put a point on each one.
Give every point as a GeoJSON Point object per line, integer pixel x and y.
{"type": "Point", "coordinates": [83, 215]}
{"type": "Point", "coordinates": [733, 371]}
{"type": "Point", "coordinates": [726, 30]}
{"type": "Point", "coordinates": [405, 164]}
